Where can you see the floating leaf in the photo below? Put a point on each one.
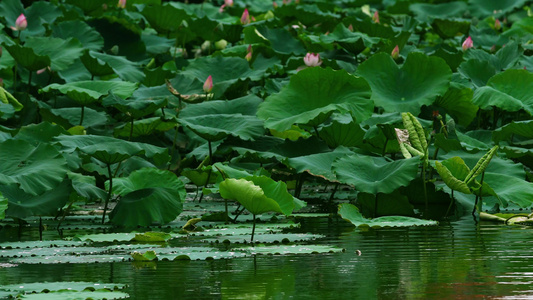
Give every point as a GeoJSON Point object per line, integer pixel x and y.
{"type": "Point", "coordinates": [350, 213]}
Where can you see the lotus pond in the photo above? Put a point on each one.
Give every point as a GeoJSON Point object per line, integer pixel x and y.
{"type": "Point", "coordinates": [233, 149]}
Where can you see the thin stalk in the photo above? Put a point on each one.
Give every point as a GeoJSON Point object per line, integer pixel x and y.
{"type": "Point", "coordinates": [209, 173]}
{"type": "Point", "coordinates": [82, 114]}
{"type": "Point", "coordinates": [238, 214]}
{"type": "Point", "coordinates": [299, 186]}
{"type": "Point", "coordinates": [479, 197]}
{"type": "Point", "coordinates": [316, 131]}
{"type": "Point", "coordinates": [450, 207]}
{"type": "Point", "coordinates": [131, 129]}
{"type": "Point", "coordinates": [333, 193]}
{"type": "Point", "coordinates": [424, 181]}
{"type": "Point", "coordinates": [253, 230]}
{"type": "Point", "coordinates": [109, 193]}
{"type": "Point", "coordinates": [15, 78]}
{"type": "Point", "coordinates": [29, 82]}
{"type": "Point", "coordinates": [40, 229]}
{"type": "Point", "coordinates": [376, 206]}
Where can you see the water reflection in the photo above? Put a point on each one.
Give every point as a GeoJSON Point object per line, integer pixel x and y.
{"type": "Point", "coordinates": [459, 260]}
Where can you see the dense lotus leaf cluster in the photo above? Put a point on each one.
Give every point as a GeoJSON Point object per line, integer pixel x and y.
{"type": "Point", "coordinates": [121, 104]}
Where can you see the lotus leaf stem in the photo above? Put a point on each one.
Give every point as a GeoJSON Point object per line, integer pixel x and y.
{"type": "Point", "coordinates": [109, 193]}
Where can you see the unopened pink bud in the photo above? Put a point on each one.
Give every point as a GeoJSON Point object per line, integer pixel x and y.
{"type": "Point", "coordinates": [395, 52]}
{"type": "Point", "coordinates": [468, 43]}
{"type": "Point", "coordinates": [245, 18]}
{"type": "Point", "coordinates": [497, 24]}
{"type": "Point", "coordinates": [350, 27]}
{"type": "Point", "coordinates": [375, 18]}
{"type": "Point", "coordinates": [208, 84]}
{"type": "Point", "coordinates": [20, 23]}
{"type": "Point", "coordinates": [121, 3]}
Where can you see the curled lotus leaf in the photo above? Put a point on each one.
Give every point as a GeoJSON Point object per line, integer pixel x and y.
{"type": "Point", "coordinates": [350, 213]}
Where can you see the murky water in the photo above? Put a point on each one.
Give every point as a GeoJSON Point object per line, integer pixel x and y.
{"type": "Point", "coordinates": [459, 260]}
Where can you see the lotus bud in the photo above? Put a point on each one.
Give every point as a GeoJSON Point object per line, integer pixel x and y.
{"type": "Point", "coordinates": [312, 60]}
{"type": "Point", "coordinates": [228, 2]}
{"type": "Point", "coordinates": [375, 18]}
{"type": "Point", "coordinates": [121, 4]}
{"type": "Point", "coordinates": [208, 84]}
{"type": "Point", "coordinates": [221, 9]}
{"type": "Point", "coordinates": [468, 43]}
{"type": "Point", "coordinates": [395, 52]}
{"type": "Point", "coordinates": [114, 50]}
{"type": "Point", "coordinates": [245, 18]}
{"type": "Point", "coordinates": [1, 82]}
{"type": "Point", "coordinates": [220, 45]}
{"type": "Point", "coordinates": [350, 27]}
{"type": "Point", "coordinates": [497, 24]}
{"type": "Point", "coordinates": [286, 2]}
{"type": "Point", "coordinates": [274, 4]}
{"type": "Point", "coordinates": [20, 23]}
{"type": "Point", "coordinates": [248, 56]}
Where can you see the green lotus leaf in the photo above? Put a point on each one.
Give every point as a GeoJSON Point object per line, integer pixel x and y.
{"type": "Point", "coordinates": [307, 14]}
{"type": "Point", "coordinates": [23, 205]}
{"type": "Point", "coordinates": [478, 71]}
{"type": "Point", "coordinates": [425, 11]}
{"type": "Point", "coordinates": [342, 131]}
{"type": "Point", "coordinates": [510, 188]}
{"type": "Point", "coordinates": [147, 206]}
{"type": "Point", "coordinates": [27, 57]}
{"type": "Point", "coordinates": [270, 238]}
{"type": "Point", "coordinates": [457, 102]}
{"type": "Point", "coordinates": [85, 92]}
{"type": "Point", "coordinates": [484, 8]}
{"type": "Point", "coordinates": [258, 196]}
{"type": "Point", "coordinates": [158, 178]}
{"type": "Point", "coordinates": [225, 71]}
{"type": "Point", "coordinates": [165, 18]}
{"type": "Point", "coordinates": [318, 164]}
{"type": "Point", "coordinates": [418, 82]}
{"type": "Point", "coordinates": [508, 90]}
{"type": "Point", "coordinates": [312, 95]}
{"type": "Point", "coordinates": [152, 236]}
{"type": "Point", "coordinates": [35, 169]}
{"type": "Point", "coordinates": [449, 28]}
{"type": "Point", "coordinates": [103, 63]}
{"type": "Point", "coordinates": [43, 132]}
{"type": "Point", "coordinates": [137, 107]}
{"type": "Point", "coordinates": [3, 206]}
{"type": "Point", "coordinates": [505, 58]}
{"type": "Point", "coordinates": [87, 35]}
{"type": "Point", "coordinates": [214, 120]}
{"type": "Point", "coordinates": [353, 42]}
{"type": "Point", "coordinates": [375, 174]}
{"type": "Point", "coordinates": [509, 131]}
{"type": "Point", "coordinates": [280, 40]}
{"type": "Point", "coordinates": [293, 249]}
{"type": "Point", "coordinates": [71, 116]}
{"type": "Point", "coordinates": [7, 98]}
{"type": "Point", "coordinates": [350, 213]}
{"type": "Point", "coordinates": [110, 150]}
{"type": "Point", "coordinates": [453, 171]}
{"type": "Point", "coordinates": [86, 187]}
{"type": "Point", "coordinates": [62, 53]}
{"type": "Point", "coordinates": [144, 127]}
{"type": "Point", "coordinates": [393, 204]}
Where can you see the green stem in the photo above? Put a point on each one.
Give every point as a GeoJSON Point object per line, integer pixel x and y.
{"type": "Point", "coordinates": [29, 82]}
{"type": "Point", "coordinates": [131, 129]}
{"type": "Point", "coordinates": [109, 192]}
{"type": "Point", "coordinates": [253, 230]}
{"type": "Point", "coordinates": [82, 114]}
{"type": "Point", "coordinates": [479, 197]}
{"type": "Point", "coordinates": [376, 206]}
{"type": "Point", "coordinates": [424, 181]}
{"type": "Point", "coordinates": [385, 147]}
{"type": "Point", "coordinates": [450, 206]}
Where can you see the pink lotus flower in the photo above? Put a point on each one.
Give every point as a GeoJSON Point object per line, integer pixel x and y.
{"type": "Point", "coordinates": [248, 56]}
{"type": "Point", "coordinates": [208, 84]}
{"type": "Point", "coordinates": [497, 24]}
{"type": "Point", "coordinates": [395, 52]}
{"type": "Point", "coordinates": [121, 4]}
{"type": "Point", "coordinates": [245, 18]}
{"type": "Point", "coordinates": [375, 18]}
{"type": "Point", "coordinates": [226, 3]}
{"type": "Point", "coordinates": [468, 43]}
{"type": "Point", "coordinates": [20, 23]}
{"type": "Point", "coordinates": [312, 60]}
